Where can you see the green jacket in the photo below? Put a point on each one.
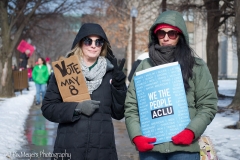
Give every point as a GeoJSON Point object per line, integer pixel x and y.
{"type": "Point", "coordinates": [40, 74]}
{"type": "Point", "coordinates": [201, 97]}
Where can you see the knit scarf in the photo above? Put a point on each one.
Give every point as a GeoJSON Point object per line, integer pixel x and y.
{"type": "Point", "coordinates": [161, 54]}
{"type": "Point", "coordinates": [94, 76]}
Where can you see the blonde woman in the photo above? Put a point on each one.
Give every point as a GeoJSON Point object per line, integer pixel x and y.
{"type": "Point", "coordinates": [85, 129]}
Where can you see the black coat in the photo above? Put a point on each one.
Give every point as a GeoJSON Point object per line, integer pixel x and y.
{"type": "Point", "coordinates": [23, 60]}
{"type": "Point", "coordinates": [85, 138]}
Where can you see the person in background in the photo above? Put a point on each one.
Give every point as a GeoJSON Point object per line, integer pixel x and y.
{"type": "Point", "coordinates": [48, 65]}
{"type": "Point", "coordinates": [169, 42]}
{"type": "Point", "coordinates": [29, 69]}
{"type": "Point", "coordinates": [40, 77]}
{"type": "Point", "coordinates": [85, 128]}
{"type": "Point", "coordinates": [14, 67]}
{"type": "Point", "coordinates": [24, 59]}
{"type": "Point", "coordinates": [49, 68]}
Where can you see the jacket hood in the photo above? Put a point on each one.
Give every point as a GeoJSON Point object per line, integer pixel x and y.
{"type": "Point", "coordinates": [88, 29]}
{"type": "Point", "coordinates": [173, 18]}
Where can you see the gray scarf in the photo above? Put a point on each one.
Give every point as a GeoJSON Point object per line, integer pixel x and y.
{"type": "Point", "coordinates": [161, 54]}
{"type": "Point", "coordinates": [94, 76]}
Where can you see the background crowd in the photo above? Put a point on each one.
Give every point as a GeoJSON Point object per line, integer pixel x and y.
{"type": "Point", "coordinates": [39, 73]}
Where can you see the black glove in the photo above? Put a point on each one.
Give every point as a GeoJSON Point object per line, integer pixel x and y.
{"type": "Point", "coordinates": [87, 107]}
{"type": "Point", "coordinates": [118, 77]}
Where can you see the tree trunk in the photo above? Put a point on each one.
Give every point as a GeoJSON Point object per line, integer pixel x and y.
{"type": "Point", "coordinates": [213, 19]}
{"type": "Point", "coordinates": [164, 5]}
{"type": "Point", "coordinates": [236, 100]}
{"type": "Point", "coordinates": [9, 41]}
{"type": "Point", "coordinates": [6, 86]}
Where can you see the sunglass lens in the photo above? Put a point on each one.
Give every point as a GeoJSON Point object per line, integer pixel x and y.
{"type": "Point", "coordinates": [87, 41]}
{"type": "Point", "coordinates": [99, 42]}
{"type": "Point", "coordinates": [172, 34]}
{"type": "Point", "coordinates": [161, 34]}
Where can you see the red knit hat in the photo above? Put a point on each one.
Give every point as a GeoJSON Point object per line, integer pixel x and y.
{"type": "Point", "coordinates": [47, 59]}
{"type": "Point", "coordinates": [164, 25]}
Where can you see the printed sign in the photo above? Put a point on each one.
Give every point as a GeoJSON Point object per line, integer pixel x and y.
{"type": "Point", "coordinates": [162, 102]}
{"type": "Point", "coordinates": [23, 46]}
{"type": "Point", "coordinates": [70, 80]}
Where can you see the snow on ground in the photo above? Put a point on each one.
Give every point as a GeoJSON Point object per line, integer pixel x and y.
{"type": "Point", "coordinates": [13, 113]}
{"type": "Point", "coordinates": [226, 141]}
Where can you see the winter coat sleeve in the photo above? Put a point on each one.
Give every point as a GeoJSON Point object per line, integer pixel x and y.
{"type": "Point", "coordinates": [131, 110]}
{"type": "Point", "coordinates": [118, 98]}
{"type": "Point", "coordinates": [54, 109]}
{"type": "Point", "coordinates": [205, 100]}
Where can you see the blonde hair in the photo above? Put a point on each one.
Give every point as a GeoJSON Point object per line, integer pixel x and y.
{"type": "Point", "coordinates": [77, 50]}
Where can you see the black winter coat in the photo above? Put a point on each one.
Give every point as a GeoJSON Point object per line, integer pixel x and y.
{"type": "Point", "coordinates": [24, 60]}
{"type": "Point", "coordinates": [85, 138]}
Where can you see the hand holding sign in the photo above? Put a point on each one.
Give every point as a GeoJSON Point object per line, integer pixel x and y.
{"type": "Point", "coordinates": [118, 78]}
{"type": "Point", "coordinates": [70, 80]}
{"type": "Point", "coordinates": [143, 143]}
{"type": "Point", "coordinates": [87, 107]}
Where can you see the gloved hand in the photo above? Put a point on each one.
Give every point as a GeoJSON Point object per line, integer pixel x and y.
{"type": "Point", "coordinates": [142, 143]}
{"type": "Point", "coordinates": [185, 137]}
{"type": "Point", "coordinates": [87, 107]}
{"type": "Point", "coordinates": [118, 77]}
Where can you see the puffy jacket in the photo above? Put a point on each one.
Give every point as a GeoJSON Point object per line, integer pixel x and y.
{"type": "Point", "coordinates": [85, 138]}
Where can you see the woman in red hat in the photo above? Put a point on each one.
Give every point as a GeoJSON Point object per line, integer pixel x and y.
{"type": "Point", "coordinates": [169, 42]}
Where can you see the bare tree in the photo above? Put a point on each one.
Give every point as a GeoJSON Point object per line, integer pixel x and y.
{"type": "Point", "coordinates": [213, 20]}
{"type": "Point", "coordinates": [217, 12]}
{"type": "Point", "coordinates": [164, 5]}
{"type": "Point", "coordinates": [236, 100]}
{"type": "Point", "coordinates": [53, 36]}
{"type": "Point", "coordinates": [18, 18]}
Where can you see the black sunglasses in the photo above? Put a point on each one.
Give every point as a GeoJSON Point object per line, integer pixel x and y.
{"type": "Point", "coordinates": [88, 42]}
{"type": "Point", "coordinates": [172, 34]}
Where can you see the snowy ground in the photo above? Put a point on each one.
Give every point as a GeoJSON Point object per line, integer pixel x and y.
{"type": "Point", "coordinates": [226, 141]}
{"type": "Point", "coordinates": [14, 111]}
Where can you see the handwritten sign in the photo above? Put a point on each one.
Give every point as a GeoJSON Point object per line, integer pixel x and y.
{"type": "Point", "coordinates": [70, 80]}
{"type": "Point", "coordinates": [162, 102]}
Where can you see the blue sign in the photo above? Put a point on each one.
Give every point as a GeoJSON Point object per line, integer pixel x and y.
{"type": "Point", "coordinates": [162, 103]}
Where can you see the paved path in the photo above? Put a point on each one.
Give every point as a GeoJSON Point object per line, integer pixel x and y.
{"type": "Point", "coordinates": [41, 133]}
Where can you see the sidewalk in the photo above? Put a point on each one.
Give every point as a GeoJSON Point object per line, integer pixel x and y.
{"type": "Point", "coordinates": [126, 150]}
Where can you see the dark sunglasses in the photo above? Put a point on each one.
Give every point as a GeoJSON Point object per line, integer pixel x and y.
{"type": "Point", "coordinates": [171, 34]}
{"type": "Point", "coordinates": [88, 42]}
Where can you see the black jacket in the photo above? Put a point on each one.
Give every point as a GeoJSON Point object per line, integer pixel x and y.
{"type": "Point", "coordinates": [85, 138]}
{"type": "Point", "coordinates": [23, 60]}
